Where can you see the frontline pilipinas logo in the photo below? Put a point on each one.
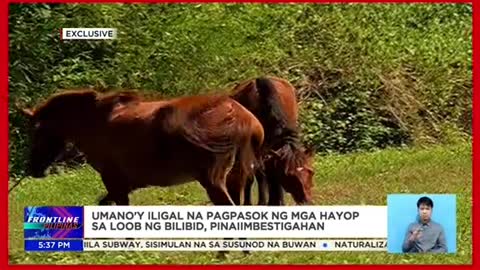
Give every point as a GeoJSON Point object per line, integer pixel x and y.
{"type": "Point", "coordinates": [88, 33]}
{"type": "Point", "coordinates": [53, 222]}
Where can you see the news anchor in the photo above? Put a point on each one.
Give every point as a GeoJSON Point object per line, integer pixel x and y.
{"type": "Point", "coordinates": [425, 235]}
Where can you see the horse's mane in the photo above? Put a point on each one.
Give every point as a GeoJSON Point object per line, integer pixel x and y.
{"type": "Point", "coordinates": [65, 99]}
{"type": "Point", "coordinates": [83, 98]}
{"type": "Point", "coordinates": [271, 109]}
{"type": "Point", "coordinates": [285, 140]}
{"type": "Point", "coordinates": [120, 96]}
{"type": "Point", "coordinates": [290, 150]}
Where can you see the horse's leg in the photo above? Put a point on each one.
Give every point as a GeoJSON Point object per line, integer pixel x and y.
{"type": "Point", "coordinates": [275, 190]}
{"type": "Point", "coordinates": [122, 198]}
{"type": "Point", "coordinates": [215, 183]}
{"type": "Point", "coordinates": [219, 196]}
{"type": "Point", "coordinates": [247, 200]}
{"type": "Point", "coordinates": [275, 193]}
{"type": "Point", "coordinates": [236, 186]}
{"type": "Point", "coordinates": [108, 180]}
{"type": "Point", "coordinates": [281, 200]}
{"type": "Point", "coordinates": [106, 200]}
{"type": "Point", "coordinates": [272, 183]}
{"type": "Point", "coordinates": [238, 183]}
{"type": "Point", "coordinates": [262, 187]}
{"type": "Point", "coordinates": [117, 188]}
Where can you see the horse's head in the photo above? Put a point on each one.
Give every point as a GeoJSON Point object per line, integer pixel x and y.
{"type": "Point", "coordinates": [296, 176]}
{"type": "Point", "coordinates": [46, 145]}
{"type": "Point", "coordinates": [48, 126]}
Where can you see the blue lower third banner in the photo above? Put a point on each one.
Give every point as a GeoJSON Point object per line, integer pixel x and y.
{"type": "Point", "coordinates": [53, 245]}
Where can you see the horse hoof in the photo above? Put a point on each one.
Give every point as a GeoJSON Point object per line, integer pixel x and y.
{"type": "Point", "coordinates": [105, 201]}
{"type": "Point", "coordinates": [221, 255]}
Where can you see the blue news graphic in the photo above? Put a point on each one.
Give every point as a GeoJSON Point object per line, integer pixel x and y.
{"type": "Point", "coordinates": [402, 211]}
{"type": "Point", "coordinates": [53, 245]}
{"type": "Point", "coordinates": [48, 222]}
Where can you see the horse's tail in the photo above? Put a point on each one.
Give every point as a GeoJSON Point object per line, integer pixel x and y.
{"type": "Point", "coordinates": [252, 139]}
{"type": "Point", "coordinates": [272, 115]}
{"type": "Point", "coordinates": [256, 143]}
{"type": "Point", "coordinates": [250, 155]}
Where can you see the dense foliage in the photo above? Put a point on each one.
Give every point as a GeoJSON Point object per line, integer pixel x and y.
{"type": "Point", "coordinates": [369, 76]}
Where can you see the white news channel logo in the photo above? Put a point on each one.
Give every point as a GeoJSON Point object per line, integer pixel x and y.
{"type": "Point", "coordinates": [88, 33]}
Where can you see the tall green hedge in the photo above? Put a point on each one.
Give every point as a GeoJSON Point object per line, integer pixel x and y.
{"type": "Point", "coordinates": [369, 76]}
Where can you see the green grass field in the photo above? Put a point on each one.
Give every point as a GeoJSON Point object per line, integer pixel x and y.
{"type": "Point", "coordinates": [353, 179]}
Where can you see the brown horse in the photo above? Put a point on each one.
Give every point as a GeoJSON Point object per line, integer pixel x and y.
{"type": "Point", "coordinates": [135, 143]}
{"type": "Point", "coordinates": [286, 163]}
